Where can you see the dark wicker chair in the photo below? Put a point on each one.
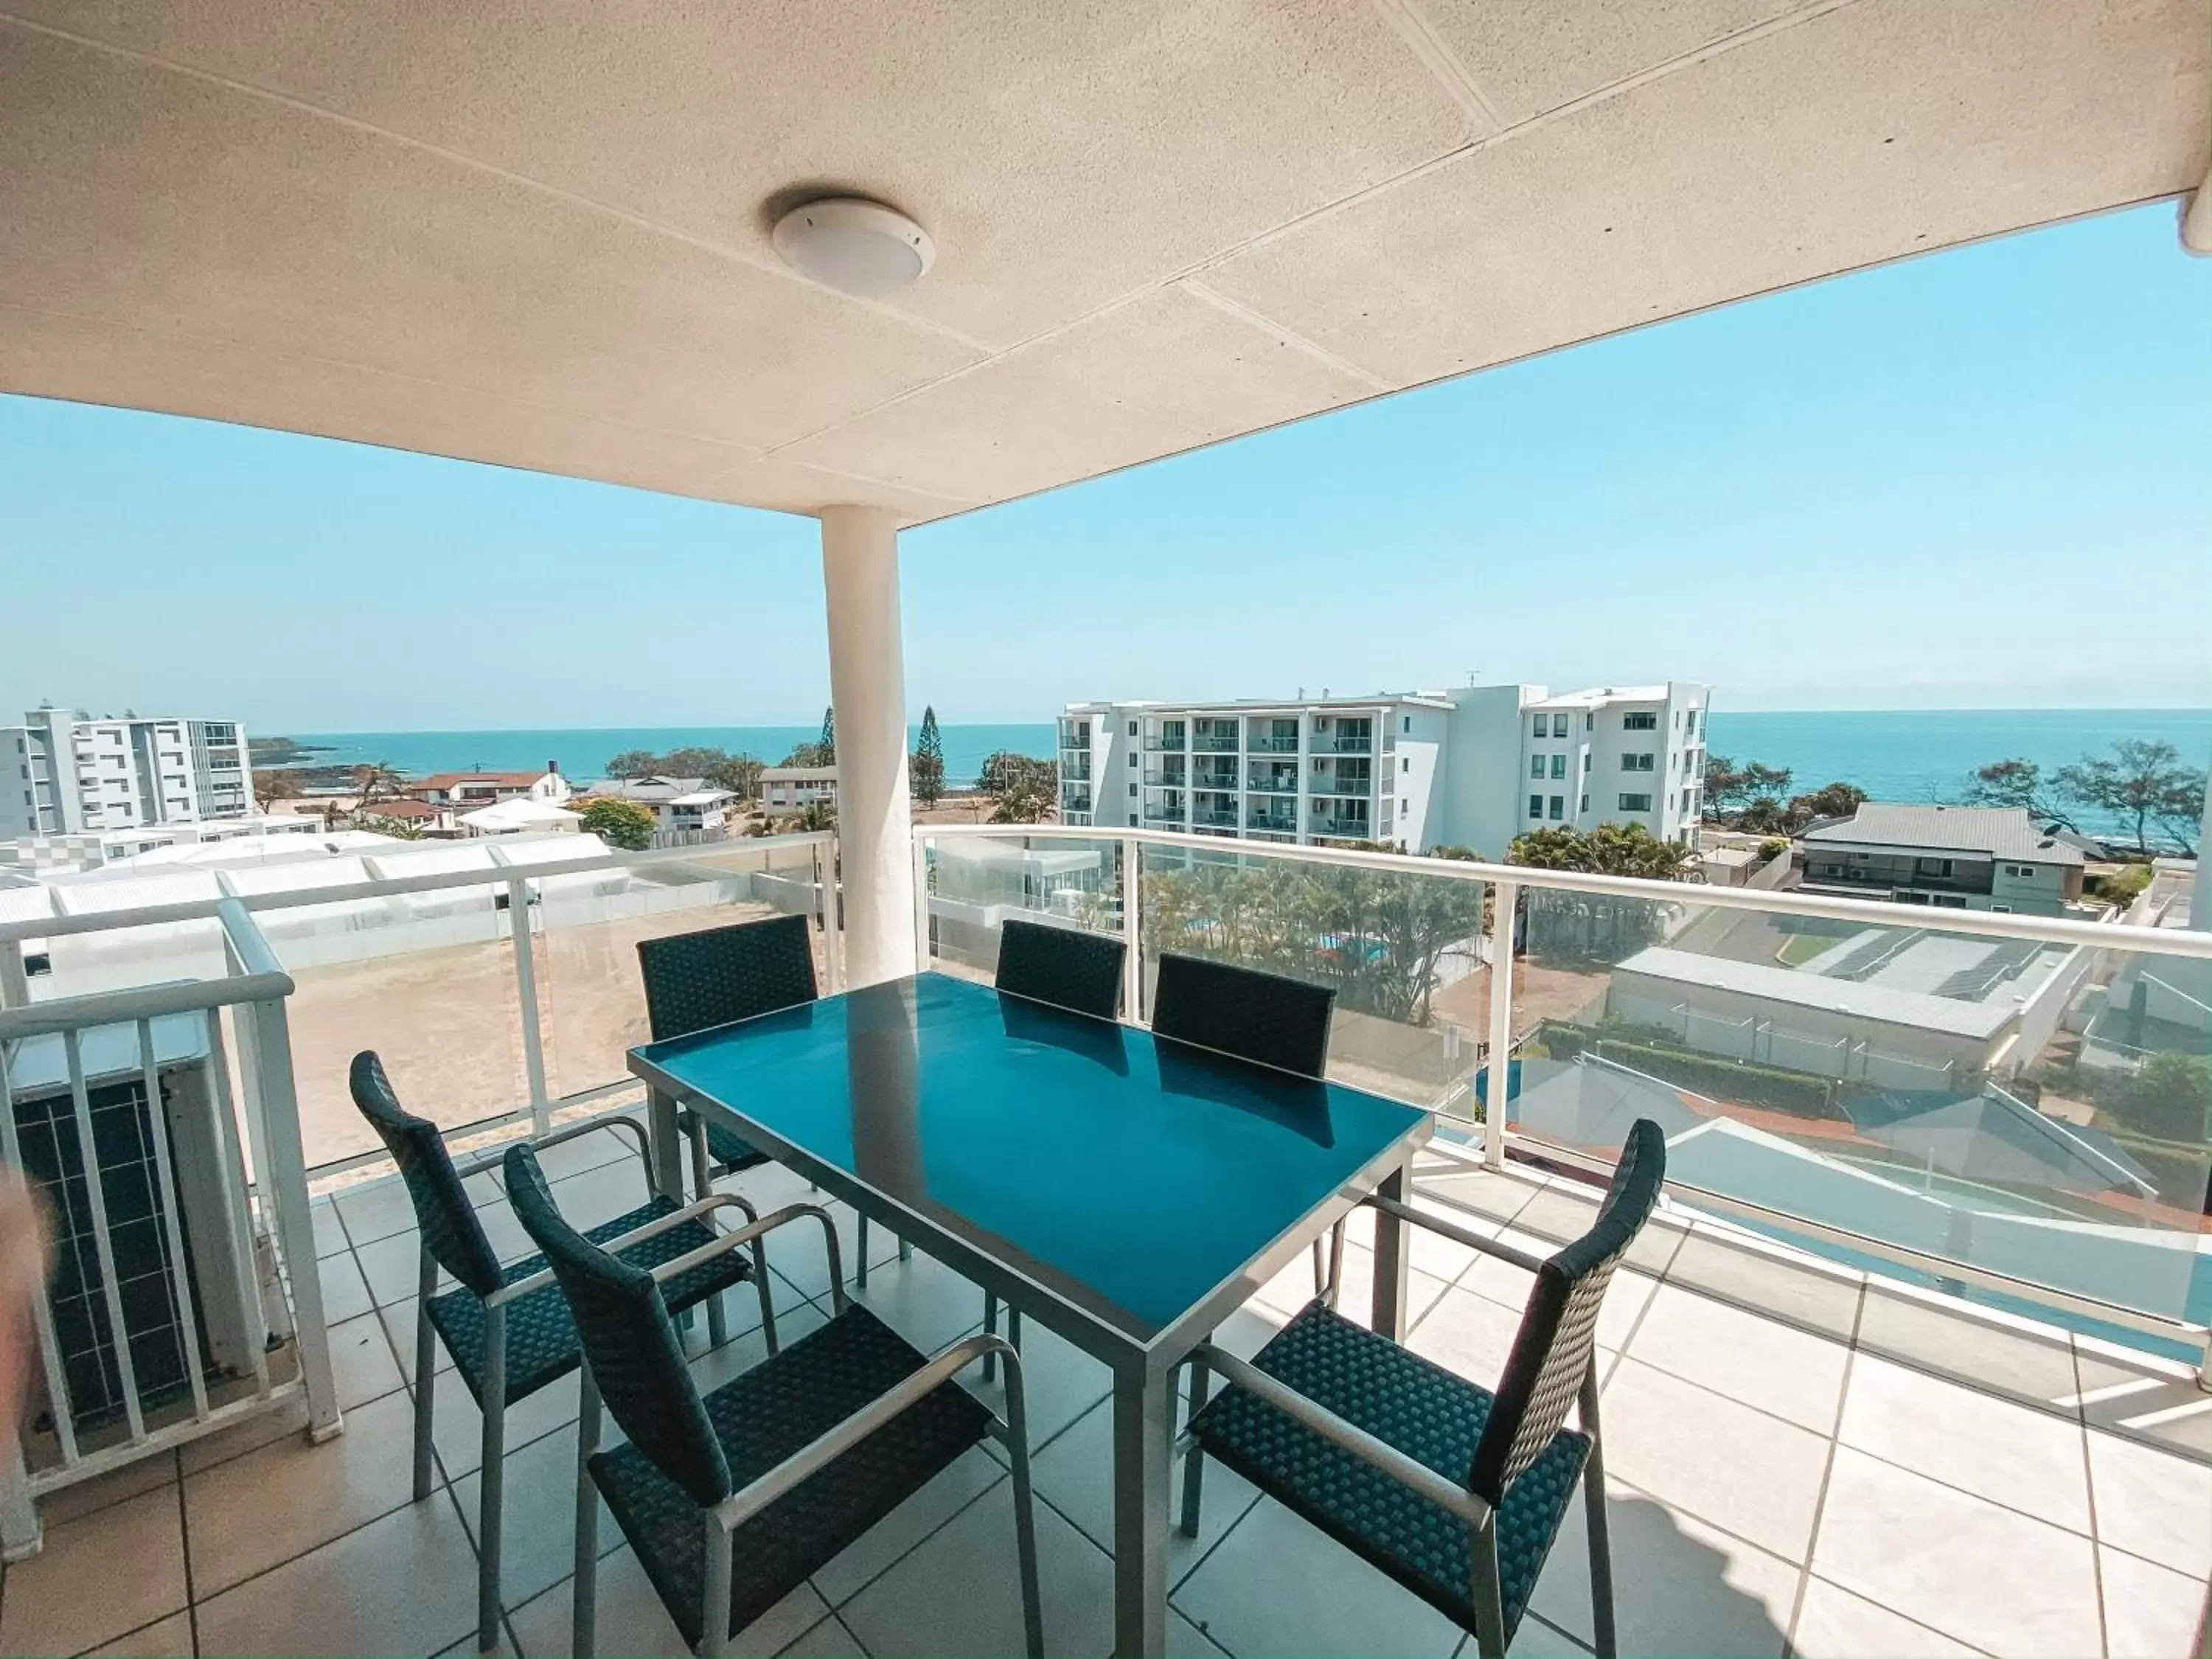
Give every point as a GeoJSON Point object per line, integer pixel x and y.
{"type": "Point", "coordinates": [1267, 1019]}
{"type": "Point", "coordinates": [1455, 1492]}
{"type": "Point", "coordinates": [1067, 968]}
{"type": "Point", "coordinates": [506, 1325]}
{"type": "Point", "coordinates": [732, 1499]}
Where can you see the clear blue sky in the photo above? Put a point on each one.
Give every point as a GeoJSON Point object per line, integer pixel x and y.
{"type": "Point", "coordinates": [1981, 479]}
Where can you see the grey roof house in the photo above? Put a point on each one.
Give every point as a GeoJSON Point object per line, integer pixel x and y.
{"type": "Point", "coordinates": [1957, 858]}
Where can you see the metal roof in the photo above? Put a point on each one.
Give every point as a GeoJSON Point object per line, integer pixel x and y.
{"type": "Point", "coordinates": [2003, 832]}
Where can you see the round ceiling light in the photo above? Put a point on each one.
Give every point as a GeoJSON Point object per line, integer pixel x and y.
{"type": "Point", "coordinates": [853, 245]}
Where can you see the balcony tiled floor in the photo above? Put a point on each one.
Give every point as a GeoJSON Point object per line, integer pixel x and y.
{"type": "Point", "coordinates": [1777, 1485]}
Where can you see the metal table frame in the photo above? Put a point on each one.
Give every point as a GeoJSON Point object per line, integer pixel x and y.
{"type": "Point", "coordinates": [1143, 1372]}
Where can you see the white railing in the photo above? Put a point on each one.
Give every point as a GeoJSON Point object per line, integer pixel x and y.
{"type": "Point", "coordinates": [1118, 907]}
{"type": "Point", "coordinates": [231, 1215]}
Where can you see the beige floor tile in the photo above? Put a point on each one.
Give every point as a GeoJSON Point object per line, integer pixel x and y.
{"type": "Point", "coordinates": [457, 1426]}
{"type": "Point", "coordinates": [1984, 1574]}
{"type": "Point", "coordinates": [1468, 1334]}
{"type": "Point", "coordinates": [167, 1638]}
{"type": "Point", "coordinates": [592, 1152]}
{"type": "Point", "coordinates": [403, 1585]}
{"type": "Point", "coordinates": [71, 1503]}
{"type": "Point", "coordinates": [329, 1232]}
{"type": "Point", "coordinates": [393, 1269]}
{"type": "Point", "coordinates": [1770, 1280]}
{"type": "Point", "coordinates": [361, 1361]}
{"type": "Point", "coordinates": [1075, 1475]}
{"type": "Point", "coordinates": [796, 1253]}
{"type": "Point", "coordinates": [2152, 1504]}
{"type": "Point", "coordinates": [287, 1421]}
{"type": "Point", "coordinates": [924, 1300]}
{"type": "Point", "coordinates": [539, 1533]}
{"type": "Point", "coordinates": [1759, 1362]}
{"type": "Point", "coordinates": [959, 1593]}
{"type": "Point", "coordinates": [951, 1490]}
{"type": "Point", "coordinates": [399, 1319]}
{"type": "Point", "coordinates": [1834, 1624]}
{"type": "Point", "coordinates": [1735, 1467]}
{"type": "Point", "coordinates": [1277, 1585]}
{"type": "Point", "coordinates": [245, 1515]}
{"type": "Point", "coordinates": [1059, 1383]}
{"type": "Point", "coordinates": [1499, 1197]}
{"type": "Point", "coordinates": [1537, 1640]}
{"type": "Point", "coordinates": [632, 1620]}
{"type": "Point", "coordinates": [345, 1294]}
{"type": "Point", "coordinates": [2035, 1368]}
{"type": "Point", "coordinates": [114, 1571]}
{"type": "Point", "coordinates": [1679, 1586]}
{"type": "Point", "coordinates": [2172, 1413]}
{"type": "Point", "coordinates": [2149, 1613]}
{"type": "Point", "coordinates": [612, 1188]}
{"type": "Point", "coordinates": [828, 1640]}
{"type": "Point", "coordinates": [375, 1210]}
{"type": "Point", "coordinates": [2013, 1455]}
{"type": "Point", "coordinates": [1291, 1288]}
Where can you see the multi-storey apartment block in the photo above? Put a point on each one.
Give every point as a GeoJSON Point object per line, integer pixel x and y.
{"type": "Point", "coordinates": [1471, 768]}
{"type": "Point", "coordinates": [60, 775]}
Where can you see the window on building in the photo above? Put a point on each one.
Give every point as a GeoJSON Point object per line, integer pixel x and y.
{"type": "Point", "coordinates": [1133, 728]}
{"type": "Point", "coordinates": [1635, 763]}
{"type": "Point", "coordinates": [1690, 724]}
{"type": "Point", "coordinates": [1560, 725]}
{"type": "Point", "coordinates": [1584, 805]}
{"type": "Point", "coordinates": [1408, 724]}
{"type": "Point", "coordinates": [1133, 758]}
{"type": "Point", "coordinates": [1133, 791]}
{"type": "Point", "coordinates": [1635, 803]}
{"type": "Point", "coordinates": [1559, 766]}
{"type": "Point", "coordinates": [1406, 764]}
{"type": "Point", "coordinates": [1586, 762]}
{"type": "Point", "coordinates": [1642, 720]}
{"type": "Point", "coordinates": [1535, 807]}
{"type": "Point", "coordinates": [1535, 766]}
{"type": "Point", "coordinates": [1558, 806]}
{"type": "Point", "coordinates": [1541, 726]}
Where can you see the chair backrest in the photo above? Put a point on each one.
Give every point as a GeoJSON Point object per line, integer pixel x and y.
{"type": "Point", "coordinates": [442, 1209]}
{"type": "Point", "coordinates": [694, 981]}
{"type": "Point", "coordinates": [1267, 1018]}
{"type": "Point", "coordinates": [629, 1340]}
{"type": "Point", "coordinates": [1558, 1328]}
{"type": "Point", "coordinates": [1069, 969]}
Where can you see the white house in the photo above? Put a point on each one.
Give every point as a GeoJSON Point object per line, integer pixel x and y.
{"type": "Point", "coordinates": [472, 789]}
{"type": "Point", "coordinates": [1471, 768]}
{"type": "Point", "coordinates": [62, 775]}
{"type": "Point", "coordinates": [679, 803]}
{"type": "Point", "coordinates": [790, 788]}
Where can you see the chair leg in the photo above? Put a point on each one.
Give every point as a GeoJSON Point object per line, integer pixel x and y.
{"type": "Point", "coordinates": [767, 1293]}
{"type": "Point", "coordinates": [990, 1328]}
{"type": "Point", "coordinates": [861, 1273]}
{"type": "Point", "coordinates": [1489, 1598]}
{"type": "Point", "coordinates": [1017, 1437]}
{"type": "Point", "coordinates": [425, 1375]}
{"type": "Point", "coordinates": [714, 1610]}
{"type": "Point", "coordinates": [1321, 1269]}
{"type": "Point", "coordinates": [1014, 1326]}
{"type": "Point", "coordinates": [1600, 1542]}
{"type": "Point", "coordinates": [906, 1249]}
{"type": "Point", "coordinates": [494, 1477]}
{"type": "Point", "coordinates": [583, 1636]}
{"type": "Point", "coordinates": [1333, 1286]}
{"type": "Point", "coordinates": [1193, 1460]}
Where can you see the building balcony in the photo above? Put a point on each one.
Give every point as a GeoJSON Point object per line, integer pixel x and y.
{"type": "Point", "coordinates": [1075, 800]}
{"type": "Point", "coordinates": [1342, 829]}
{"type": "Point", "coordinates": [1214, 778]}
{"type": "Point", "coordinates": [1355, 786]}
{"type": "Point", "coordinates": [1214, 744]}
{"type": "Point", "coordinates": [1272, 782]}
{"type": "Point", "coordinates": [1219, 818]}
{"type": "Point", "coordinates": [1343, 746]}
{"type": "Point", "coordinates": [1156, 744]}
{"type": "Point", "coordinates": [1165, 776]}
{"type": "Point", "coordinates": [1272, 746]}
{"type": "Point", "coordinates": [1075, 767]}
{"type": "Point", "coordinates": [1859, 1387]}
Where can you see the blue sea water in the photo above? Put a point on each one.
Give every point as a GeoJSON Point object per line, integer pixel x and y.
{"type": "Point", "coordinates": [1917, 756]}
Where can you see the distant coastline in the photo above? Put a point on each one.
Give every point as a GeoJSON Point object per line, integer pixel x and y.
{"type": "Point", "coordinates": [1917, 756]}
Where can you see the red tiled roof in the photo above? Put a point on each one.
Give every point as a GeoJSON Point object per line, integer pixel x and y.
{"type": "Point", "coordinates": [447, 780]}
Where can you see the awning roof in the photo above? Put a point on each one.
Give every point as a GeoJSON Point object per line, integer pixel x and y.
{"type": "Point", "coordinates": [536, 234]}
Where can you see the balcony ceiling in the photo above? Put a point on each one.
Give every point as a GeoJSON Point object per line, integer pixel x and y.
{"type": "Point", "coordinates": [536, 233]}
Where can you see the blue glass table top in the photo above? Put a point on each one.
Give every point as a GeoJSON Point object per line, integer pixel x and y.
{"type": "Point", "coordinates": [1128, 1176]}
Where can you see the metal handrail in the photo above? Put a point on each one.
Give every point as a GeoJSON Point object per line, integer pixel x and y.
{"type": "Point", "coordinates": [1992, 924]}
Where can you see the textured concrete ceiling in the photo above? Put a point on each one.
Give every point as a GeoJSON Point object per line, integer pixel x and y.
{"type": "Point", "coordinates": [535, 232]}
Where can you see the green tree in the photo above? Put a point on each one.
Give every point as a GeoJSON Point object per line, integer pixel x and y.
{"type": "Point", "coordinates": [619, 823]}
{"type": "Point", "coordinates": [739, 774]}
{"type": "Point", "coordinates": [927, 767]}
{"type": "Point", "coordinates": [1021, 789]}
{"type": "Point", "coordinates": [814, 818]}
{"type": "Point", "coordinates": [1578, 927]}
{"type": "Point", "coordinates": [2017, 783]}
{"type": "Point", "coordinates": [2139, 783]}
{"type": "Point", "coordinates": [1836, 801]}
{"type": "Point", "coordinates": [827, 747]}
{"type": "Point", "coordinates": [1731, 789]}
{"type": "Point", "coordinates": [2167, 1095]}
{"type": "Point", "coordinates": [271, 784]}
{"type": "Point", "coordinates": [398, 828]}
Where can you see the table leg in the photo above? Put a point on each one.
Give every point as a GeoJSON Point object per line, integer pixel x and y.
{"type": "Point", "coordinates": [1388, 1317]}
{"type": "Point", "coordinates": [667, 1144]}
{"type": "Point", "coordinates": [1142, 1415]}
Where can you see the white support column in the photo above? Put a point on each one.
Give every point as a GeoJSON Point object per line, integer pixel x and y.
{"type": "Point", "coordinates": [867, 685]}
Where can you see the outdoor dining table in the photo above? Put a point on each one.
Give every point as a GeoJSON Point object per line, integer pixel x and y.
{"type": "Point", "coordinates": [1126, 1192]}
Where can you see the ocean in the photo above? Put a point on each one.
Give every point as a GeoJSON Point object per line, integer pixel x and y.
{"type": "Point", "coordinates": [1920, 755]}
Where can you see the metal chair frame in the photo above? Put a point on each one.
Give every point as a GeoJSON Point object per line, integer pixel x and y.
{"type": "Point", "coordinates": [742, 1505]}
{"type": "Point", "coordinates": [1418, 1477]}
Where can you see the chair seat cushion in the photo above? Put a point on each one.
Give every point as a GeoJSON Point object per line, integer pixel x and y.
{"type": "Point", "coordinates": [1423, 1410]}
{"type": "Point", "coordinates": [728, 1149]}
{"type": "Point", "coordinates": [541, 1337]}
{"type": "Point", "coordinates": [762, 1417]}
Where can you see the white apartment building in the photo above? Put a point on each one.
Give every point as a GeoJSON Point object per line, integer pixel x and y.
{"type": "Point", "coordinates": [1470, 768]}
{"type": "Point", "coordinates": [63, 775]}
